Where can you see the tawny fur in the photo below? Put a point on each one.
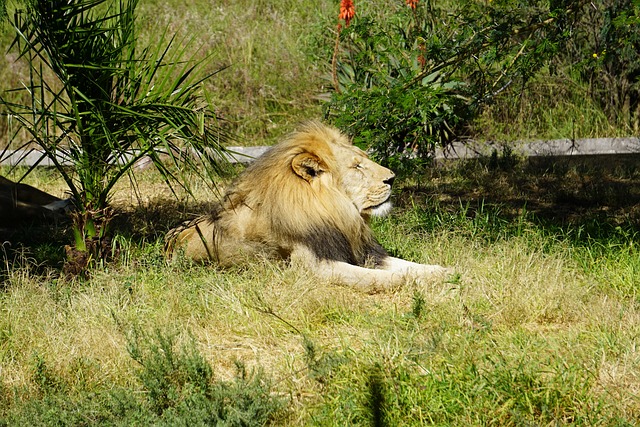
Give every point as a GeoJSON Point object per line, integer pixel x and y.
{"type": "Point", "coordinates": [307, 200]}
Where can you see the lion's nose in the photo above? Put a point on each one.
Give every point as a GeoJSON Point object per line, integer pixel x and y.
{"type": "Point", "coordinates": [390, 180]}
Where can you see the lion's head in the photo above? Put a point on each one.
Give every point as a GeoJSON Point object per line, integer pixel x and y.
{"type": "Point", "coordinates": [366, 183]}
{"type": "Point", "coordinates": [319, 166]}
{"type": "Point", "coordinates": [314, 187]}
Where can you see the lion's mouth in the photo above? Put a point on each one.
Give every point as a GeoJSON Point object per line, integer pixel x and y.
{"type": "Point", "coordinates": [380, 209]}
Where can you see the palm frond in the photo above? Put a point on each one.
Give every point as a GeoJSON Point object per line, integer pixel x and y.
{"type": "Point", "coordinates": [104, 103]}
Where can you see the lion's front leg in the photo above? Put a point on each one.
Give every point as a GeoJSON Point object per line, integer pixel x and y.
{"type": "Point", "coordinates": [364, 279]}
{"type": "Point", "coordinates": [391, 274]}
{"type": "Point", "coordinates": [361, 278]}
{"type": "Point", "coordinates": [412, 268]}
{"type": "Point", "coordinates": [398, 272]}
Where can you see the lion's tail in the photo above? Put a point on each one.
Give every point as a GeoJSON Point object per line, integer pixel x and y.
{"type": "Point", "coordinates": [174, 236]}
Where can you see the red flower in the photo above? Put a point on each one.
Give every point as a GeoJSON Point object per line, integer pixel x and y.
{"type": "Point", "coordinates": [347, 11]}
{"type": "Point", "coordinates": [412, 4]}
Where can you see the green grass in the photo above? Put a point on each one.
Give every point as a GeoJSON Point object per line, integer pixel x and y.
{"type": "Point", "coordinates": [550, 107]}
{"type": "Point", "coordinates": [538, 326]}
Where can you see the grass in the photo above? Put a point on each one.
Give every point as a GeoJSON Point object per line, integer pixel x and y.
{"type": "Point", "coordinates": [549, 107]}
{"type": "Point", "coordinates": [539, 325]}
{"type": "Point", "coordinates": [270, 81]}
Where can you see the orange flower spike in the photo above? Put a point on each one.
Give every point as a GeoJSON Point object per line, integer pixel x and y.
{"type": "Point", "coordinates": [347, 11]}
{"type": "Point", "coordinates": [412, 4]}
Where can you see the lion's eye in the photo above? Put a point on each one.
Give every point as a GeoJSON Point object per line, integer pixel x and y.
{"type": "Point", "coordinates": [359, 166]}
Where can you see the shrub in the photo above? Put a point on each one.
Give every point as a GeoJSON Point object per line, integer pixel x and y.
{"type": "Point", "coordinates": [97, 100]}
{"type": "Point", "coordinates": [411, 78]}
{"type": "Point", "coordinates": [178, 387]}
{"type": "Point", "coordinates": [181, 390]}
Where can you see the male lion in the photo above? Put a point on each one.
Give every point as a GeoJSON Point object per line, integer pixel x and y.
{"type": "Point", "coordinates": [308, 199]}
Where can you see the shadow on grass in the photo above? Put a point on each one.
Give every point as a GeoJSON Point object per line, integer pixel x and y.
{"type": "Point", "coordinates": [595, 195]}
{"type": "Point", "coordinates": [41, 245]}
{"type": "Point", "coordinates": [152, 221]}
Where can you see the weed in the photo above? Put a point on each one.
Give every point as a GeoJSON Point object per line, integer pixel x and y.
{"type": "Point", "coordinates": [46, 380]}
{"type": "Point", "coordinates": [178, 389]}
{"type": "Point", "coordinates": [418, 305]}
{"type": "Point", "coordinates": [180, 383]}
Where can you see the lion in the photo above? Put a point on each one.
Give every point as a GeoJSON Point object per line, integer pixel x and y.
{"type": "Point", "coordinates": [22, 202]}
{"type": "Point", "coordinates": [308, 200]}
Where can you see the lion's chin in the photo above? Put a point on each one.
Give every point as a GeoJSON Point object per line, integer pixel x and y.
{"type": "Point", "coordinates": [382, 209]}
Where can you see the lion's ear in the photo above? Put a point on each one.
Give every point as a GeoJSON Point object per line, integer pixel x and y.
{"type": "Point", "coordinates": [308, 166]}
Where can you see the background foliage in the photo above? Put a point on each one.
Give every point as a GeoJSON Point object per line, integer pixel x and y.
{"type": "Point", "coordinates": [417, 77]}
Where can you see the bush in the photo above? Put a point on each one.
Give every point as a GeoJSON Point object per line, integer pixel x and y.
{"type": "Point", "coordinates": [178, 387]}
{"type": "Point", "coordinates": [392, 92]}
{"type": "Point", "coordinates": [411, 78]}
{"type": "Point", "coordinates": [97, 100]}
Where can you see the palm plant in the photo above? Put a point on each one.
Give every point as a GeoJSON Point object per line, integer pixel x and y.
{"type": "Point", "coordinates": [98, 102]}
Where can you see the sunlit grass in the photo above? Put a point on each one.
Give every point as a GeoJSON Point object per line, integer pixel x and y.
{"type": "Point", "coordinates": [536, 326]}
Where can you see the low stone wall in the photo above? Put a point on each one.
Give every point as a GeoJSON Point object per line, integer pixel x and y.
{"type": "Point", "coordinates": [457, 150]}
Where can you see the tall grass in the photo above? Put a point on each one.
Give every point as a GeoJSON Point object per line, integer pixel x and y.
{"type": "Point", "coordinates": [549, 107]}
{"type": "Point", "coordinates": [272, 81]}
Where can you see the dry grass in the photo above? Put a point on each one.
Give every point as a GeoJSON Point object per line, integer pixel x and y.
{"type": "Point", "coordinates": [526, 300]}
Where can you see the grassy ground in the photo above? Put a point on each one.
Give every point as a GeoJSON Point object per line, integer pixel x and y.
{"type": "Point", "coordinates": [268, 50]}
{"type": "Point", "coordinates": [539, 326]}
